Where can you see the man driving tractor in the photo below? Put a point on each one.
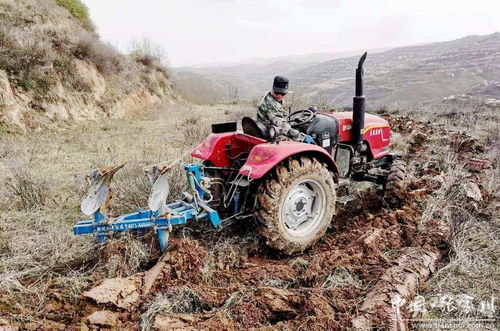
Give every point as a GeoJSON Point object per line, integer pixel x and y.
{"type": "Point", "coordinates": [270, 111]}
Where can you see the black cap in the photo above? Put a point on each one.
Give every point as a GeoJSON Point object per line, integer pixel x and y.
{"type": "Point", "coordinates": [280, 84]}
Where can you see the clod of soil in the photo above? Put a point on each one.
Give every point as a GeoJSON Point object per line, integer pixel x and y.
{"type": "Point", "coordinates": [400, 282]}
{"type": "Point", "coordinates": [104, 318]}
{"type": "Point", "coordinates": [121, 292]}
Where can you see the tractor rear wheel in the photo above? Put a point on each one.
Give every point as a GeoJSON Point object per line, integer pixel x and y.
{"type": "Point", "coordinates": [395, 181]}
{"type": "Point", "coordinates": [296, 204]}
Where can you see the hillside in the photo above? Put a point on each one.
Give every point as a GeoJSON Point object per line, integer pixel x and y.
{"type": "Point", "coordinates": [410, 75]}
{"type": "Point", "coordinates": [53, 68]}
{"type": "Point", "coordinates": [400, 76]}
{"type": "Point", "coordinates": [208, 84]}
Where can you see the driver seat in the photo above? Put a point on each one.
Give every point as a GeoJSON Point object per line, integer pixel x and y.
{"type": "Point", "coordinates": [255, 128]}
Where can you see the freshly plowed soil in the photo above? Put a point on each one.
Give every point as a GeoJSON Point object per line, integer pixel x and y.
{"type": "Point", "coordinates": [373, 252]}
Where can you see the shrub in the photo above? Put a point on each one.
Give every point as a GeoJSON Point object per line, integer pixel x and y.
{"type": "Point", "coordinates": [106, 59]}
{"type": "Point", "coordinates": [79, 11]}
{"type": "Point", "coordinates": [27, 61]}
{"type": "Point", "coordinates": [149, 54]}
{"type": "Point", "coordinates": [30, 191]}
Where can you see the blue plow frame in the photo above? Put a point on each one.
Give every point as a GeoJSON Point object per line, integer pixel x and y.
{"type": "Point", "coordinates": [176, 213]}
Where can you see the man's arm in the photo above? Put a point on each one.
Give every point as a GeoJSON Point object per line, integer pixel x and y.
{"type": "Point", "coordinates": [276, 115]}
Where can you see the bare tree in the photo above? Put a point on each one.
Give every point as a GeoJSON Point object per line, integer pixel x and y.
{"type": "Point", "coordinates": [146, 48]}
{"type": "Point", "coordinates": [297, 101]}
{"type": "Point", "coordinates": [233, 92]}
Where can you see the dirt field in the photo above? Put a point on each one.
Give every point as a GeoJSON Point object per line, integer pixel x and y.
{"type": "Point", "coordinates": [442, 238]}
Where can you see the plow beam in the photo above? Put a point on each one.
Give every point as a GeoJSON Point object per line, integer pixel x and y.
{"type": "Point", "coordinates": [177, 213]}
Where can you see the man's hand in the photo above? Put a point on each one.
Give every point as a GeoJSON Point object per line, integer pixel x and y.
{"type": "Point", "coordinates": [308, 139]}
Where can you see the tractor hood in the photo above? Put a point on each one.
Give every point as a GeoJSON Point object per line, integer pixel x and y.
{"type": "Point", "coordinates": [345, 124]}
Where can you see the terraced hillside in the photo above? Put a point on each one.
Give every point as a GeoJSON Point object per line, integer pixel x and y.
{"type": "Point", "coordinates": [405, 76]}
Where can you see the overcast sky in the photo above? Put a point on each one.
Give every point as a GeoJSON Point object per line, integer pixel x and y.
{"type": "Point", "coordinates": [222, 31]}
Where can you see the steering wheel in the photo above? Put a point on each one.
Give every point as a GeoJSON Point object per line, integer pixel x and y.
{"type": "Point", "coordinates": [301, 117]}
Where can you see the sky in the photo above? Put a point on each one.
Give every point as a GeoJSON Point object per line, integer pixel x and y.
{"type": "Point", "coordinates": [196, 32]}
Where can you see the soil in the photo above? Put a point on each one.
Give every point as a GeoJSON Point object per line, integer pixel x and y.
{"type": "Point", "coordinates": [372, 253]}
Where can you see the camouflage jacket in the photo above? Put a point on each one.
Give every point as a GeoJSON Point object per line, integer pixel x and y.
{"type": "Point", "coordinates": [271, 112]}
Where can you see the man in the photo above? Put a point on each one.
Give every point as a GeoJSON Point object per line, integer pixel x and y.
{"type": "Point", "coordinates": [270, 110]}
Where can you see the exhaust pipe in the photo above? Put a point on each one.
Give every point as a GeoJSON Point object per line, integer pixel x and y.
{"type": "Point", "coordinates": [358, 106]}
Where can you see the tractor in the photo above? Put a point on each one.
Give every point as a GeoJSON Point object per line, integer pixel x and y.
{"type": "Point", "coordinates": [288, 188]}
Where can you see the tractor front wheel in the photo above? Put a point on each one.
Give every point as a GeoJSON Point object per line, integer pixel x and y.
{"type": "Point", "coordinates": [296, 204]}
{"type": "Point", "coordinates": [395, 181]}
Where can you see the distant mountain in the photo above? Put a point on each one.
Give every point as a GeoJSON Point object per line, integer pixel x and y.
{"type": "Point", "coordinates": [252, 77]}
{"type": "Point", "coordinates": [401, 76]}
{"type": "Point", "coordinates": [410, 75]}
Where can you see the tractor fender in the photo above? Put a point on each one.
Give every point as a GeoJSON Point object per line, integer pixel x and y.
{"type": "Point", "coordinates": [264, 157]}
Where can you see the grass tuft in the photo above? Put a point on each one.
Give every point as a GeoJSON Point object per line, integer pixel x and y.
{"type": "Point", "coordinates": [79, 11]}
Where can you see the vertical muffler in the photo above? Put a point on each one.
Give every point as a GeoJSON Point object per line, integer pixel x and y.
{"type": "Point", "coordinates": [358, 106]}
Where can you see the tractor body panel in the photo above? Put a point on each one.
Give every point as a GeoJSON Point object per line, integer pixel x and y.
{"type": "Point", "coordinates": [376, 132]}
{"type": "Point", "coordinates": [265, 157]}
{"type": "Point", "coordinates": [217, 146]}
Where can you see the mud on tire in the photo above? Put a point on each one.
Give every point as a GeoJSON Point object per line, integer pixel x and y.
{"type": "Point", "coordinates": [395, 181]}
{"type": "Point", "coordinates": [296, 188]}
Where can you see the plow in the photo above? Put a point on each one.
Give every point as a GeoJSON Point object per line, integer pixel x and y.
{"type": "Point", "coordinates": [287, 188]}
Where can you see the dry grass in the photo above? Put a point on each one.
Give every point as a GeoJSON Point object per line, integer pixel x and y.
{"type": "Point", "coordinates": [105, 57]}
{"type": "Point", "coordinates": [42, 182]}
{"type": "Point", "coordinates": [226, 253]}
{"type": "Point", "coordinates": [473, 267]}
{"type": "Point", "coordinates": [25, 188]}
{"type": "Point", "coordinates": [179, 301]}
{"type": "Point", "coordinates": [341, 277]}
{"type": "Point", "coordinates": [79, 11]}
{"type": "Point", "coordinates": [473, 261]}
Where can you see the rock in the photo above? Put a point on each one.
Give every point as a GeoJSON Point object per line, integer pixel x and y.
{"type": "Point", "coordinates": [121, 292]}
{"type": "Point", "coordinates": [373, 237]}
{"type": "Point", "coordinates": [6, 326]}
{"type": "Point", "coordinates": [171, 322]}
{"type": "Point", "coordinates": [472, 191]}
{"type": "Point", "coordinates": [103, 318]}
{"type": "Point", "coordinates": [479, 164]}
{"type": "Point", "coordinates": [277, 300]}
{"type": "Point", "coordinates": [89, 75]}
{"type": "Point", "coordinates": [10, 112]}
{"type": "Point", "coordinates": [361, 323]}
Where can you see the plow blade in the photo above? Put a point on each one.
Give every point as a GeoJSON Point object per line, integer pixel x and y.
{"type": "Point", "coordinates": [160, 216]}
{"type": "Point", "coordinates": [99, 193]}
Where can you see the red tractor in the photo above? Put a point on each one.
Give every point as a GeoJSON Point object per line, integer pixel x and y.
{"type": "Point", "coordinates": [289, 187]}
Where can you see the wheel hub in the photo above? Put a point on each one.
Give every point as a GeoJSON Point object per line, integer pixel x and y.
{"type": "Point", "coordinates": [303, 208]}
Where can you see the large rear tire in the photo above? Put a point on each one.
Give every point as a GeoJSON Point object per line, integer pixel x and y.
{"type": "Point", "coordinates": [296, 204]}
